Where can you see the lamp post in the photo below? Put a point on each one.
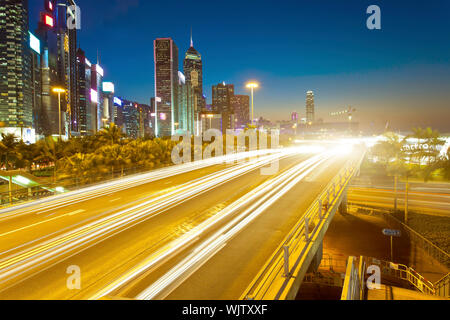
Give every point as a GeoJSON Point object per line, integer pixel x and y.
{"type": "Point", "coordinates": [252, 86]}
{"type": "Point", "coordinates": [210, 116]}
{"type": "Point", "coordinates": [59, 90]}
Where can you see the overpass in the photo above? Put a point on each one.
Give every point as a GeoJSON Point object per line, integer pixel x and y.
{"type": "Point", "coordinates": [195, 231]}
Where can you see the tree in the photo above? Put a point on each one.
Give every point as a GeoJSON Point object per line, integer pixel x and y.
{"type": "Point", "coordinates": [9, 153]}
{"type": "Point", "coordinates": [111, 135]}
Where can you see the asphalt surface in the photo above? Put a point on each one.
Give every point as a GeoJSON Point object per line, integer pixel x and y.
{"type": "Point", "coordinates": [109, 234]}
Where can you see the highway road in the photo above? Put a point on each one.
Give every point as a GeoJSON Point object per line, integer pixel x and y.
{"type": "Point", "coordinates": [188, 232]}
{"type": "Point", "coordinates": [429, 202]}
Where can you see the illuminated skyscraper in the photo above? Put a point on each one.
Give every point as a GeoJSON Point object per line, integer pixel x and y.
{"type": "Point", "coordinates": [16, 114]}
{"type": "Point", "coordinates": [310, 118]}
{"type": "Point", "coordinates": [166, 86]}
{"type": "Point", "coordinates": [221, 101]}
{"type": "Point", "coordinates": [86, 115]}
{"type": "Point", "coordinates": [241, 108]}
{"type": "Point", "coordinates": [193, 70]}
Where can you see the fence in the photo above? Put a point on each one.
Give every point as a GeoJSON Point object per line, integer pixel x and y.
{"type": "Point", "coordinates": [429, 247]}
{"type": "Point", "coordinates": [354, 280]}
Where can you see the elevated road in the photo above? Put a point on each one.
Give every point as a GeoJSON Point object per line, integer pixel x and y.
{"type": "Point", "coordinates": [201, 233]}
{"type": "Point", "coordinates": [429, 202]}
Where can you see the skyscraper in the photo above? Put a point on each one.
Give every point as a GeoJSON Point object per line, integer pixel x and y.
{"type": "Point", "coordinates": [67, 63]}
{"type": "Point", "coordinates": [310, 118]}
{"type": "Point", "coordinates": [221, 101]}
{"type": "Point", "coordinates": [47, 124]}
{"type": "Point", "coordinates": [193, 70]}
{"type": "Point", "coordinates": [241, 108]}
{"type": "Point", "coordinates": [166, 86]}
{"type": "Point", "coordinates": [16, 114]}
{"type": "Point", "coordinates": [86, 115]}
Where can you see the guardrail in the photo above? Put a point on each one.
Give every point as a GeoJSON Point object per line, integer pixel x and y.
{"type": "Point", "coordinates": [405, 273]}
{"type": "Point", "coordinates": [442, 287]}
{"type": "Point", "coordinates": [354, 284]}
{"type": "Point", "coordinates": [429, 247]}
{"type": "Point", "coordinates": [276, 278]}
{"type": "Point", "coordinates": [354, 280]}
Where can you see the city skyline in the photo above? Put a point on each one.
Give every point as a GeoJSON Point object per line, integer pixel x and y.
{"type": "Point", "coordinates": [348, 65]}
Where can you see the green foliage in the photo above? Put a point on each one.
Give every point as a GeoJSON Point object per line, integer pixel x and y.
{"type": "Point", "coordinates": [397, 158]}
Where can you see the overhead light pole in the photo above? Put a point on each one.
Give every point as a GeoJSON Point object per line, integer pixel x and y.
{"type": "Point", "coordinates": [252, 86]}
{"type": "Point", "coordinates": [59, 90]}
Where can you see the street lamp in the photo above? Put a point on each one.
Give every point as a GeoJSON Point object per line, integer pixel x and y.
{"type": "Point", "coordinates": [59, 90]}
{"type": "Point", "coordinates": [210, 116]}
{"type": "Point", "coordinates": [252, 86]}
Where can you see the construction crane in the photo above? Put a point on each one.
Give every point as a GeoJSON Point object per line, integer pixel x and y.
{"type": "Point", "coordinates": [349, 111]}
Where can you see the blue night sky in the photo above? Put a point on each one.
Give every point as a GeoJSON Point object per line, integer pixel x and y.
{"type": "Point", "coordinates": [400, 73]}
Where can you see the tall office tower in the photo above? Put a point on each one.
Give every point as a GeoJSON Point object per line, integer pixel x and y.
{"type": "Point", "coordinates": [221, 101]}
{"type": "Point", "coordinates": [67, 63]}
{"type": "Point", "coordinates": [16, 114]}
{"type": "Point", "coordinates": [86, 115]}
{"type": "Point", "coordinates": [294, 117]}
{"type": "Point", "coordinates": [241, 108]}
{"type": "Point", "coordinates": [186, 103]}
{"type": "Point", "coordinates": [108, 102]}
{"type": "Point", "coordinates": [193, 70]}
{"type": "Point", "coordinates": [47, 124]}
{"type": "Point", "coordinates": [310, 107]}
{"type": "Point", "coordinates": [36, 80]}
{"type": "Point", "coordinates": [97, 74]}
{"type": "Point", "coordinates": [166, 86]}
{"type": "Point", "coordinates": [130, 118]}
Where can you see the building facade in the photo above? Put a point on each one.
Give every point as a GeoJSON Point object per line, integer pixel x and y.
{"type": "Point", "coordinates": [241, 108]}
{"type": "Point", "coordinates": [166, 86]}
{"type": "Point", "coordinates": [16, 113]}
{"type": "Point", "coordinates": [310, 112]}
{"type": "Point", "coordinates": [221, 100]}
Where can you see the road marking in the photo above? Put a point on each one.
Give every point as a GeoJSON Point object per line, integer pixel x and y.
{"type": "Point", "coordinates": [41, 222]}
{"type": "Point", "coordinates": [75, 212]}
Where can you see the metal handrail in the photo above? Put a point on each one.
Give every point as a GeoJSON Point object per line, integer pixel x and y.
{"type": "Point", "coordinates": [301, 234]}
{"type": "Point", "coordinates": [442, 287]}
{"type": "Point", "coordinates": [433, 250]}
{"type": "Point", "coordinates": [405, 273]}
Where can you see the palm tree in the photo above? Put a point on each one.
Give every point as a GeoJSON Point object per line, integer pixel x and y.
{"type": "Point", "coordinates": [112, 134]}
{"type": "Point", "coordinates": [48, 152]}
{"type": "Point", "coordinates": [9, 153]}
{"type": "Point", "coordinates": [26, 154]}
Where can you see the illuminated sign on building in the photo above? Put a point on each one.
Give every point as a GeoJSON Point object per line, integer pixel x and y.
{"type": "Point", "coordinates": [108, 87]}
{"type": "Point", "coordinates": [117, 101]}
{"type": "Point", "coordinates": [48, 5]}
{"type": "Point", "coordinates": [99, 70]}
{"type": "Point", "coordinates": [48, 20]}
{"type": "Point", "coordinates": [88, 63]}
{"type": "Point", "coordinates": [94, 96]}
{"type": "Point", "coordinates": [35, 44]}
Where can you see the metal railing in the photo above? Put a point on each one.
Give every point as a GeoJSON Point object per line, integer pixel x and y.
{"type": "Point", "coordinates": [442, 287]}
{"type": "Point", "coordinates": [402, 272]}
{"type": "Point", "coordinates": [272, 281]}
{"type": "Point", "coordinates": [354, 280]}
{"type": "Point", "coordinates": [429, 247]}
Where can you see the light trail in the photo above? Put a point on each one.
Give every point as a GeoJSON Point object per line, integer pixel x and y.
{"type": "Point", "coordinates": [270, 193]}
{"type": "Point", "coordinates": [194, 234]}
{"type": "Point", "coordinates": [29, 259]}
{"type": "Point", "coordinates": [66, 199]}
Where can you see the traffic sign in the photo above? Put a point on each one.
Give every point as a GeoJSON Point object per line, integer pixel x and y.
{"type": "Point", "coordinates": [392, 233]}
